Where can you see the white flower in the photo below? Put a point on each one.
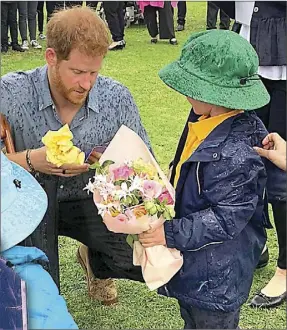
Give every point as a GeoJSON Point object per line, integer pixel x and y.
{"type": "Point", "coordinates": [136, 184]}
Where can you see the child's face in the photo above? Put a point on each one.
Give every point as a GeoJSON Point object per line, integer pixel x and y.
{"type": "Point", "coordinates": [200, 108]}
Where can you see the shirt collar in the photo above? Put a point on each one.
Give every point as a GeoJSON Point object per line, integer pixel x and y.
{"type": "Point", "coordinates": [46, 98]}
{"type": "Point", "coordinates": [205, 125]}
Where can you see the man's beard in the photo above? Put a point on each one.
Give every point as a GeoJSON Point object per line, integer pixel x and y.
{"type": "Point", "coordinates": [69, 94]}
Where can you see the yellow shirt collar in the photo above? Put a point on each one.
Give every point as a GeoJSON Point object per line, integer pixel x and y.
{"type": "Point", "coordinates": [205, 125]}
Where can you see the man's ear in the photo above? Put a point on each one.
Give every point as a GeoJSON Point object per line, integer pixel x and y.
{"type": "Point", "coordinates": [51, 57]}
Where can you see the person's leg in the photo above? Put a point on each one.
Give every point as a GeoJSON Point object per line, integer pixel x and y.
{"type": "Point", "coordinates": [109, 255]}
{"type": "Point", "coordinates": [181, 14]}
{"type": "Point", "coordinates": [111, 13]}
{"type": "Point", "coordinates": [53, 6]}
{"type": "Point", "coordinates": [166, 25]}
{"type": "Point", "coordinates": [151, 20]}
{"type": "Point", "coordinates": [32, 15]}
{"type": "Point", "coordinates": [211, 18]}
{"type": "Point", "coordinates": [224, 20]}
{"type": "Point", "coordinates": [12, 22]}
{"type": "Point", "coordinates": [121, 18]}
{"type": "Point", "coordinates": [186, 315]}
{"type": "Point", "coordinates": [207, 319]}
{"type": "Point", "coordinates": [40, 11]}
{"type": "Point", "coordinates": [4, 27]}
{"type": "Point", "coordinates": [23, 15]}
{"type": "Point", "coordinates": [273, 294]}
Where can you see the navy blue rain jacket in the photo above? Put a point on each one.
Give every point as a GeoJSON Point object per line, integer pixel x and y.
{"type": "Point", "coordinates": [219, 222]}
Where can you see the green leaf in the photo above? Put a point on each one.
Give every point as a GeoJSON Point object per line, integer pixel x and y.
{"type": "Point", "coordinates": [95, 166]}
{"type": "Point", "coordinates": [107, 163]}
{"type": "Point", "coordinates": [130, 240]}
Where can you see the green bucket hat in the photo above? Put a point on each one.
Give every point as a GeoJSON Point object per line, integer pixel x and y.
{"type": "Point", "coordinates": [218, 67]}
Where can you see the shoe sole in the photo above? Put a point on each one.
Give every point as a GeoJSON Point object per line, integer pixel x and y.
{"type": "Point", "coordinates": [268, 306]}
{"type": "Point", "coordinates": [103, 302]}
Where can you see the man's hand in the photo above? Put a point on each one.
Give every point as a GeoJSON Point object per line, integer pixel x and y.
{"type": "Point", "coordinates": [94, 157]}
{"type": "Point", "coordinates": [274, 149]}
{"type": "Point", "coordinates": [40, 163]}
{"type": "Point", "coordinates": [153, 237]}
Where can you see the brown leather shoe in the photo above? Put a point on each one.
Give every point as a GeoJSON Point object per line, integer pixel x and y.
{"type": "Point", "coordinates": [103, 290]}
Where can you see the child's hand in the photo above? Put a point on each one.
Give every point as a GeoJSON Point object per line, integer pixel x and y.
{"type": "Point", "coordinates": [153, 237]}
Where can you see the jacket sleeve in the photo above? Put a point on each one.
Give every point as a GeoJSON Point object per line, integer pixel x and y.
{"type": "Point", "coordinates": [231, 187]}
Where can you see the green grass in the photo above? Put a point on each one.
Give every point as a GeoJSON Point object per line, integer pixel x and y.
{"type": "Point", "coordinates": [163, 113]}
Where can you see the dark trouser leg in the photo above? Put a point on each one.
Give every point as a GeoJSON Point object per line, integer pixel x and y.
{"type": "Point", "coordinates": [32, 15]}
{"type": "Point", "coordinates": [115, 18]}
{"type": "Point", "coordinates": [4, 24]}
{"type": "Point", "coordinates": [195, 318]}
{"type": "Point", "coordinates": [52, 6]}
{"type": "Point", "coordinates": [23, 14]}
{"type": "Point", "coordinates": [212, 11]}
{"type": "Point", "coordinates": [166, 26]}
{"type": "Point", "coordinates": [151, 21]}
{"type": "Point", "coordinates": [181, 12]}
{"type": "Point", "coordinates": [273, 116]}
{"type": "Point", "coordinates": [224, 21]}
{"type": "Point", "coordinates": [12, 19]}
{"type": "Point", "coordinates": [40, 11]}
{"type": "Point", "coordinates": [279, 212]}
{"type": "Point", "coordinates": [110, 255]}
{"type": "Point", "coordinates": [45, 237]}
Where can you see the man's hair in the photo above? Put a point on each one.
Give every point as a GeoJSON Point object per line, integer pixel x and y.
{"type": "Point", "coordinates": [77, 28]}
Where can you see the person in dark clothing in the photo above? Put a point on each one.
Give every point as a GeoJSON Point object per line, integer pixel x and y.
{"type": "Point", "coordinates": [40, 11]}
{"type": "Point", "coordinates": [9, 19]}
{"type": "Point", "coordinates": [115, 17]}
{"type": "Point", "coordinates": [164, 9]}
{"type": "Point", "coordinates": [263, 24]}
{"type": "Point", "coordinates": [92, 4]}
{"type": "Point", "coordinates": [181, 15]}
{"type": "Point", "coordinates": [211, 19]}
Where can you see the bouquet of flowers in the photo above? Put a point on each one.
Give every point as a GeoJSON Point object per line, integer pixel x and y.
{"type": "Point", "coordinates": [133, 197]}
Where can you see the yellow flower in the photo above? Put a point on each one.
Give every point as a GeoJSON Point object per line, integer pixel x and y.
{"type": "Point", "coordinates": [60, 148]}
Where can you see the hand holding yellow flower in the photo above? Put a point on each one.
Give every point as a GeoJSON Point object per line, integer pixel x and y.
{"type": "Point", "coordinates": [60, 148]}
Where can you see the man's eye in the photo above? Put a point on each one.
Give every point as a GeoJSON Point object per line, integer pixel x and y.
{"type": "Point", "coordinates": [77, 71]}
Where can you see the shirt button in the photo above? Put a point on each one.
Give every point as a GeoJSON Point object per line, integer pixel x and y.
{"type": "Point", "coordinates": [214, 155]}
{"type": "Point", "coordinates": [61, 186]}
{"type": "Point", "coordinates": [255, 9]}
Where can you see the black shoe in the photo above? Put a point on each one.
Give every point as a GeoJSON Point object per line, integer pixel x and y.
{"type": "Point", "coordinates": [173, 41]}
{"type": "Point", "coordinates": [180, 27]}
{"type": "Point", "coordinates": [17, 48]}
{"type": "Point", "coordinates": [4, 49]}
{"type": "Point", "coordinates": [262, 301]}
{"type": "Point", "coordinates": [153, 40]}
{"type": "Point", "coordinates": [264, 258]}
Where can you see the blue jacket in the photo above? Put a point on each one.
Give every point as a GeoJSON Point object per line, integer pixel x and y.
{"type": "Point", "coordinates": [46, 307]}
{"type": "Point", "coordinates": [219, 221]}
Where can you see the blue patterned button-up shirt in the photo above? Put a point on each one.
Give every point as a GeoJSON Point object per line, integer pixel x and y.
{"type": "Point", "coordinates": [27, 103]}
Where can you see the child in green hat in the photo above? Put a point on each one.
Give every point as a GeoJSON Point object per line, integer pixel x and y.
{"type": "Point", "coordinates": [219, 179]}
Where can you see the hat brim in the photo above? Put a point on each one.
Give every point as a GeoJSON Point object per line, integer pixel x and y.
{"type": "Point", "coordinates": [26, 212]}
{"type": "Point", "coordinates": [248, 97]}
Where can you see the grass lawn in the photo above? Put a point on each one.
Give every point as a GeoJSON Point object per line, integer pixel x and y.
{"type": "Point", "coordinates": [163, 113]}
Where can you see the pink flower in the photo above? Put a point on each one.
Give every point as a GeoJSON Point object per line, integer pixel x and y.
{"type": "Point", "coordinates": [122, 173]}
{"type": "Point", "coordinates": [165, 196]}
{"type": "Point", "coordinates": [152, 189]}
